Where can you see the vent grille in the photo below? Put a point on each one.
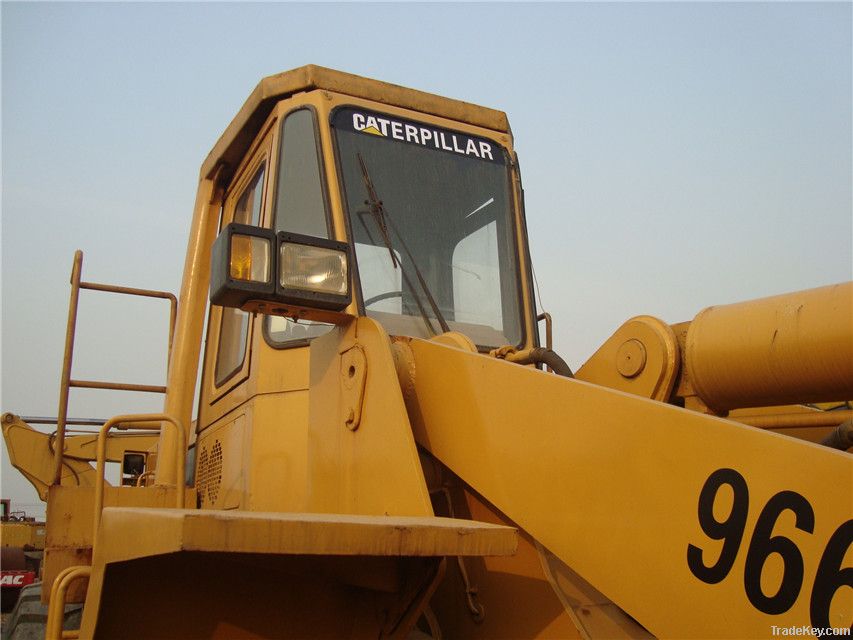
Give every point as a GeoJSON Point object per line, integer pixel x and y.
{"type": "Point", "coordinates": [214, 472]}
{"type": "Point", "coordinates": [209, 473]}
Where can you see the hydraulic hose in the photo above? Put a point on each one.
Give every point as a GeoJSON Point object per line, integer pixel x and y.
{"type": "Point", "coordinates": [841, 437]}
{"type": "Point", "coordinates": [540, 355]}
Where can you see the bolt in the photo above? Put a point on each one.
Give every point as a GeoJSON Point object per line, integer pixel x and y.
{"type": "Point", "coordinates": [631, 358]}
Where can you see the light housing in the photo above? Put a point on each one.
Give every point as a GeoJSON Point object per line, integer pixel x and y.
{"type": "Point", "coordinates": [284, 274]}
{"type": "Point", "coordinates": [241, 265]}
{"type": "Point", "coordinates": [313, 272]}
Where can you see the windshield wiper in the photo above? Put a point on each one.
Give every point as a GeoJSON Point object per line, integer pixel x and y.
{"type": "Point", "coordinates": [383, 222]}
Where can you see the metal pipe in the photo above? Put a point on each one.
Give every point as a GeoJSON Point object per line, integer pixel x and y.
{"type": "Point", "coordinates": [140, 481]}
{"type": "Point", "coordinates": [56, 606]}
{"type": "Point", "coordinates": [549, 336]}
{"type": "Point", "coordinates": [148, 293]}
{"type": "Point", "coordinates": [796, 420]}
{"type": "Point", "coordinates": [183, 362]}
{"type": "Point", "coordinates": [64, 383]}
{"type": "Point", "coordinates": [127, 420]}
{"type": "Point", "coordinates": [549, 341]}
{"type": "Point", "coordinates": [88, 422]}
{"type": "Point", "coordinates": [117, 386]}
{"type": "Point", "coordinates": [132, 291]}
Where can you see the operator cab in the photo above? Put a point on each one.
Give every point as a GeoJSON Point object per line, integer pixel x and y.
{"type": "Point", "coordinates": [329, 197]}
{"type": "Point", "coordinates": [424, 211]}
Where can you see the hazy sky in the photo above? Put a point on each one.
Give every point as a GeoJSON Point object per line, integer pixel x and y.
{"type": "Point", "coordinates": [674, 155]}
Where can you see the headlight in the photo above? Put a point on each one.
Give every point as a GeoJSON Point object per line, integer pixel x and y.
{"type": "Point", "coordinates": [313, 272]}
{"type": "Point", "coordinates": [310, 268]}
{"type": "Point", "coordinates": [285, 274]}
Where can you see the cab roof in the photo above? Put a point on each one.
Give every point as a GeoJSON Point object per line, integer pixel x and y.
{"type": "Point", "coordinates": [235, 141]}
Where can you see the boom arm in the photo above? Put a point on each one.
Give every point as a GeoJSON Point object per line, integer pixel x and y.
{"type": "Point", "coordinates": [31, 453]}
{"type": "Point", "coordinates": [636, 495]}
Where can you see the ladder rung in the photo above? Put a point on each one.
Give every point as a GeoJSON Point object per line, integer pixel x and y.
{"type": "Point", "coordinates": [118, 386]}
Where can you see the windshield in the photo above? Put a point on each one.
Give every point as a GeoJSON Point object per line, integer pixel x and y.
{"type": "Point", "coordinates": [431, 217]}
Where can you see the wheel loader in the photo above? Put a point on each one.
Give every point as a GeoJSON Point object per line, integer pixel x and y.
{"type": "Point", "coordinates": [383, 445]}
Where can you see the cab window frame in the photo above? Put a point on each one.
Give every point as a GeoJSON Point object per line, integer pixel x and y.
{"type": "Point", "coordinates": [514, 201]}
{"type": "Point", "coordinates": [276, 161]}
{"type": "Point", "coordinates": [259, 173]}
{"type": "Point", "coordinates": [258, 159]}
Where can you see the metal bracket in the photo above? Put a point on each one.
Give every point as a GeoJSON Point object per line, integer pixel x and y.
{"type": "Point", "coordinates": [353, 378]}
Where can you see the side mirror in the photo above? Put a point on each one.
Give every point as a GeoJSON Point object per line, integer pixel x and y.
{"type": "Point", "coordinates": [133, 464]}
{"type": "Point", "coordinates": [285, 274]}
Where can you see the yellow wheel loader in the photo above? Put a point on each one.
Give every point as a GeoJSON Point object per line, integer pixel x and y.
{"type": "Point", "coordinates": [383, 448]}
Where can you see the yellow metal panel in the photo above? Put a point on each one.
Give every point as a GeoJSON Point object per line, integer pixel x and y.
{"type": "Point", "coordinates": [231, 146]}
{"type": "Point", "coordinates": [501, 587]}
{"type": "Point", "coordinates": [611, 484]}
{"type": "Point", "coordinates": [70, 513]}
{"type": "Point", "coordinates": [84, 447]}
{"type": "Point", "coordinates": [279, 370]}
{"type": "Point", "coordinates": [361, 454]}
{"type": "Point", "coordinates": [641, 357]}
{"type": "Point", "coordinates": [128, 533]}
{"type": "Point", "coordinates": [222, 469]}
{"type": "Point", "coordinates": [30, 453]}
{"type": "Point", "coordinates": [279, 450]}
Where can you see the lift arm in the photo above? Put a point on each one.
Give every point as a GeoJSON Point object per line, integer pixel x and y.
{"type": "Point", "coordinates": [695, 525]}
{"type": "Point", "coordinates": [31, 453]}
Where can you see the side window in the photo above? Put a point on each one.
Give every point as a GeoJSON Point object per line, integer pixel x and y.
{"type": "Point", "coordinates": [234, 328]}
{"type": "Point", "coordinates": [300, 207]}
{"type": "Point", "coordinates": [476, 279]}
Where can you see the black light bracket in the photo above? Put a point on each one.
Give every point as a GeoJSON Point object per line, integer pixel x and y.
{"type": "Point", "coordinates": [271, 297]}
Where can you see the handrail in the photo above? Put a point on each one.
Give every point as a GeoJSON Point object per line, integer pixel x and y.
{"type": "Point", "coordinates": [66, 382]}
{"type": "Point", "coordinates": [145, 293]}
{"type": "Point", "coordinates": [140, 480]}
{"type": "Point", "coordinates": [117, 386]}
{"type": "Point", "coordinates": [127, 420]}
{"type": "Point", "coordinates": [86, 422]}
{"type": "Point", "coordinates": [549, 339]}
{"type": "Point", "coordinates": [56, 606]}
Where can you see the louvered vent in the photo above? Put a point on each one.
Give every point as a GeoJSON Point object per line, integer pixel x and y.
{"type": "Point", "coordinates": [209, 473]}
{"type": "Point", "coordinates": [214, 472]}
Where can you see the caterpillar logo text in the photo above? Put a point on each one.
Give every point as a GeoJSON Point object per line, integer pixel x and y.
{"type": "Point", "coordinates": [416, 133]}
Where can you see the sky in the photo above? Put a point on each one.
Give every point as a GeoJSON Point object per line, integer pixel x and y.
{"type": "Point", "coordinates": [673, 156]}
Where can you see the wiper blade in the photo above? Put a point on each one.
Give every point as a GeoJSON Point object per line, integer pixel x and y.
{"type": "Point", "coordinates": [376, 209]}
{"type": "Point", "coordinates": [377, 212]}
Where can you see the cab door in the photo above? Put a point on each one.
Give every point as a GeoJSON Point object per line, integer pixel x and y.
{"type": "Point", "coordinates": [226, 385]}
{"type": "Point", "coordinates": [253, 413]}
